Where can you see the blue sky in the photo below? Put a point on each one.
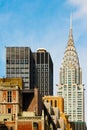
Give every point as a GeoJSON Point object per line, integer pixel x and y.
{"type": "Point", "coordinates": [44, 24]}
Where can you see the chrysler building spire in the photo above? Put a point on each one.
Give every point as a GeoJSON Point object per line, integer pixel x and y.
{"type": "Point", "coordinates": [71, 21]}
{"type": "Point", "coordinates": [70, 34]}
{"type": "Point", "coordinates": [70, 56]}
{"type": "Point", "coordinates": [70, 41]}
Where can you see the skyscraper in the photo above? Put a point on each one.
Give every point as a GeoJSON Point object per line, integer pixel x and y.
{"type": "Point", "coordinates": [44, 71]}
{"type": "Point", "coordinates": [70, 84]}
{"type": "Point", "coordinates": [20, 63]}
{"type": "Point", "coordinates": [36, 68]}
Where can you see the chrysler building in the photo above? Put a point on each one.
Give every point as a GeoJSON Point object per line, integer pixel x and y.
{"type": "Point", "coordinates": [70, 82]}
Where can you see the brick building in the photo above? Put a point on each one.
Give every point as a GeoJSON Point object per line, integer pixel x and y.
{"type": "Point", "coordinates": [10, 97]}
{"type": "Point", "coordinates": [10, 100]}
{"type": "Point", "coordinates": [12, 116]}
{"type": "Point", "coordinates": [30, 121]}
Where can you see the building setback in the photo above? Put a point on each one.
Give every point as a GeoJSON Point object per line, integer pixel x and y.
{"type": "Point", "coordinates": [44, 71]}
{"type": "Point", "coordinates": [70, 84]}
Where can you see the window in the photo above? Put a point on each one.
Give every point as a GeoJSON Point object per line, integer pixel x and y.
{"type": "Point", "coordinates": [46, 58]}
{"type": "Point", "coordinates": [42, 58]}
{"type": "Point", "coordinates": [38, 58]}
{"type": "Point", "coordinates": [17, 61]}
{"type": "Point", "coordinates": [9, 96]}
{"type": "Point", "coordinates": [9, 110]}
{"type": "Point", "coordinates": [26, 61]}
{"type": "Point", "coordinates": [8, 61]}
{"type": "Point", "coordinates": [35, 126]}
{"type": "Point", "coordinates": [51, 103]}
{"type": "Point", "coordinates": [11, 128]}
{"type": "Point", "coordinates": [12, 61]}
{"type": "Point", "coordinates": [55, 103]}
{"type": "Point", "coordinates": [21, 61]}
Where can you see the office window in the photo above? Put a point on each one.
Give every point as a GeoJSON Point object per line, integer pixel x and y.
{"type": "Point", "coordinates": [46, 58]}
{"type": "Point", "coordinates": [42, 58]}
{"type": "Point", "coordinates": [38, 58]}
{"type": "Point", "coordinates": [26, 61]}
{"type": "Point", "coordinates": [7, 61]}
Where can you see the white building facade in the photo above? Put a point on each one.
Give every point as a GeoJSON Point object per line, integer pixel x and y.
{"type": "Point", "coordinates": [70, 84]}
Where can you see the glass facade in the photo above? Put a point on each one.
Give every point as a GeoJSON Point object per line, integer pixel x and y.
{"type": "Point", "coordinates": [20, 63]}
{"type": "Point", "coordinates": [36, 69]}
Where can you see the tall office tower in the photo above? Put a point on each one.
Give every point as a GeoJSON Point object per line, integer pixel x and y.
{"type": "Point", "coordinates": [20, 63]}
{"type": "Point", "coordinates": [70, 84]}
{"type": "Point", "coordinates": [44, 71]}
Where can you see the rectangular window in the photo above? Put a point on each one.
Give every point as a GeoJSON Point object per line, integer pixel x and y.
{"type": "Point", "coordinates": [35, 126]}
{"type": "Point", "coordinates": [38, 58]}
{"type": "Point", "coordinates": [7, 61]}
{"type": "Point", "coordinates": [46, 58]}
{"type": "Point", "coordinates": [12, 61]}
{"type": "Point", "coordinates": [26, 61]}
{"type": "Point", "coordinates": [17, 61]}
{"type": "Point", "coordinates": [9, 96]}
{"type": "Point", "coordinates": [9, 110]}
{"type": "Point", "coordinates": [42, 58]}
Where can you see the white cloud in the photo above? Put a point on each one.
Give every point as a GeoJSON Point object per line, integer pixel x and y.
{"type": "Point", "coordinates": [78, 2]}
{"type": "Point", "coordinates": [81, 8]}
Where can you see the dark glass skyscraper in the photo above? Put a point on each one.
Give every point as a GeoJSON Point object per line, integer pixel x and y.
{"type": "Point", "coordinates": [36, 68]}
{"type": "Point", "coordinates": [44, 71]}
{"type": "Point", "coordinates": [20, 63]}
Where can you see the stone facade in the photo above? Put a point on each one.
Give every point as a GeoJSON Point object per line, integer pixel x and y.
{"type": "Point", "coordinates": [55, 107]}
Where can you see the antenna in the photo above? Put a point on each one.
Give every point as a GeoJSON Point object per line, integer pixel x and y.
{"type": "Point", "coordinates": [71, 21]}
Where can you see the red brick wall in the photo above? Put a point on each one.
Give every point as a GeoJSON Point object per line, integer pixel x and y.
{"type": "Point", "coordinates": [28, 125]}
{"type": "Point", "coordinates": [25, 126]}
{"type": "Point", "coordinates": [14, 95]}
{"type": "Point", "coordinates": [34, 103]}
{"type": "Point", "coordinates": [9, 105]}
{"type": "Point", "coordinates": [40, 126]}
{"type": "Point", "coordinates": [4, 95]}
